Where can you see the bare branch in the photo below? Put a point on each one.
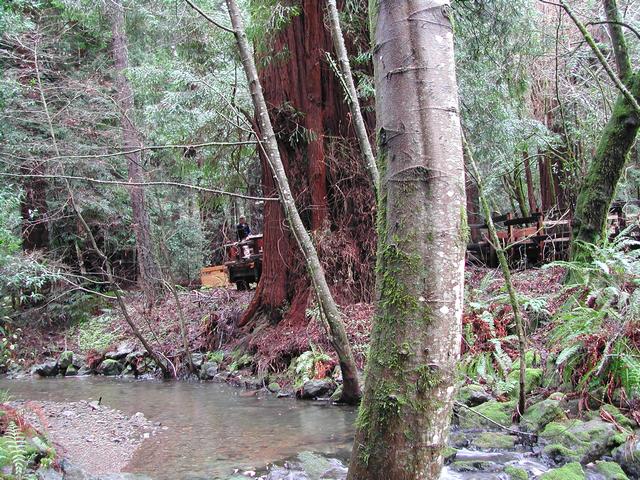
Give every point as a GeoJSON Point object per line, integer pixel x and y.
{"type": "Point", "coordinates": [143, 184]}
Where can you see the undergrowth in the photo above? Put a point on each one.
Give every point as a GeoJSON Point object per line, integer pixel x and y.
{"type": "Point", "coordinates": [596, 335]}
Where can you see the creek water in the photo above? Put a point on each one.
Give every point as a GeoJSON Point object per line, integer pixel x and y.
{"type": "Point", "coordinates": [214, 429]}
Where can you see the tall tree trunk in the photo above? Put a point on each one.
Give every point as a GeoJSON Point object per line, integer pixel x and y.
{"type": "Point", "coordinates": [320, 154]}
{"type": "Point", "coordinates": [403, 420]}
{"type": "Point", "coordinates": [329, 310]}
{"type": "Point", "coordinates": [618, 136]}
{"type": "Point", "coordinates": [35, 225]}
{"type": "Point", "coordinates": [150, 280]}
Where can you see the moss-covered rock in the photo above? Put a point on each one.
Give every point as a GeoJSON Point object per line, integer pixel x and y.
{"type": "Point", "coordinates": [559, 454]}
{"type": "Point", "coordinates": [110, 367]}
{"type": "Point", "coordinates": [274, 387]}
{"type": "Point", "coordinates": [71, 371]}
{"type": "Point", "coordinates": [571, 471]}
{"type": "Point", "coordinates": [494, 441]}
{"type": "Point", "coordinates": [540, 414]}
{"type": "Point", "coordinates": [449, 454]}
{"type": "Point", "coordinates": [532, 380]}
{"type": "Point", "coordinates": [65, 359]}
{"type": "Point", "coordinates": [516, 473]}
{"type": "Point", "coordinates": [617, 415]}
{"type": "Point", "coordinates": [499, 412]}
{"type": "Point", "coordinates": [611, 471]}
{"type": "Point", "coordinates": [473, 395]}
{"type": "Point", "coordinates": [474, 466]}
{"type": "Point", "coordinates": [587, 440]}
{"type": "Point", "coordinates": [628, 456]}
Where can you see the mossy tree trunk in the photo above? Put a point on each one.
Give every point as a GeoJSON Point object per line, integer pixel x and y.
{"type": "Point", "coordinates": [403, 420]}
{"type": "Point", "coordinates": [617, 139]}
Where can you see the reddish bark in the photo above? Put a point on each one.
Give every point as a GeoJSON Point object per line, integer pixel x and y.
{"type": "Point", "coordinates": [325, 169]}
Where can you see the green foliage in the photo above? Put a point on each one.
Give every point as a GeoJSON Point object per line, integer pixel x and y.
{"type": "Point", "coordinates": [303, 367]}
{"type": "Point", "coordinates": [217, 356]}
{"type": "Point", "coordinates": [14, 452]}
{"type": "Point", "coordinates": [96, 333]}
{"type": "Point", "coordinates": [591, 331]}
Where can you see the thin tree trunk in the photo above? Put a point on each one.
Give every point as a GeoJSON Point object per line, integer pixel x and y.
{"type": "Point", "coordinates": [406, 408]}
{"type": "Point", "coordinates": [533, 206]}
{"type": "Point", "coordinates": [352, 94]}
{"type": "Point", "coordinates": [337, 334]}
{"type": "Point", "coordinates": [617, 39]}
{"type": "Point", "coordinates": [519, 188]}
{"type": "Point", "coordinates": [150, 278]}
{"type": "Point", "coordinates": [504, 266]}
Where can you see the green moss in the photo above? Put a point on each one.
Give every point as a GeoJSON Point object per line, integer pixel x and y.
{"type": "Point", "coordinates": [494, 441]}
{"type": "Point", "coordinates": [449, 454]}
{"type": "Point", "coordinates": [611, 471]}
{"type": "Point", "coordinates": [542, 413]}
{"type": "Point", "coordinates": [616, 414]}
{"type": "Point", "coordinates": [571, 471]}
{"type": "Point", "coordinates": [516, 473]}
{"type": "Point", "coordinates": [532, 380]}
{"type": "Point", "coordinates": [559, 453]}
{"type": "Point", "coordinates": [499, 412]}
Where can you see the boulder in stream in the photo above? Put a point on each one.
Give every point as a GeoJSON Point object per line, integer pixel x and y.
{"type": "Point", "coordinates": [47, 369]}
{"type": "Point", "coordinates": [577, 440]}
{"type": "Point", "coordinates": [571, 471]}
{"type": "Point", "coordinates": [121, 352]}
{"type": "Point", "coordinates": [473, 395]}
{"type": "Point", "coordinates": [317, 389]}
{"type": "Point", "coordinates": [540, 414]}
{"type": "Point", "coordinates": [65, 359]}
{"type": "Point", "coordinates": [110, 367]}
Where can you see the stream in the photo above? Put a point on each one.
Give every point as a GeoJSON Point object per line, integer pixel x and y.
{"type": "Point", "coordinates": [214, 429]}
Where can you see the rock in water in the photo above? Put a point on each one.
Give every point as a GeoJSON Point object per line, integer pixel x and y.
{"type": "Point", "coordinates": [47, 369]}
{"type": "Point", "coordinates": [208, 370]}
{"type": "Point", "coordinates": [317, 389]}
{"type": "Point", "coordinates": [121, 352]}
{"type": "Point", "coordinates": [65, 359]}
{"type": "Point", "coordinates": [110, 367]}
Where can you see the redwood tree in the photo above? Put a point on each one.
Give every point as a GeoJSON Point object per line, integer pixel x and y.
{"type": "Point", "coordinates": [318, 146]}
{"type": "Point", "coordinates": [404, 416]}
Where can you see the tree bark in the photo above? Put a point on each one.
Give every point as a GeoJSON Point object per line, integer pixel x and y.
{"type": "Point", "coordinates": [618, 39]}
{"type": "Point", "coordinates": [404, 417]}
{"type": "Point", "coordinates": [150, 280]}
{"type": "Point", "coordinates": [352, 94]}
{"type": "Point", "coordinates": [533, 206]}
{"type": "Point", "coordinates": [617, 139]}
{"type": "Point", "coordinates": [33, 208]}
{"type": "Point", "coordinates": [329, 310]}
{"type": "Point", "coordinates": [326, 173]}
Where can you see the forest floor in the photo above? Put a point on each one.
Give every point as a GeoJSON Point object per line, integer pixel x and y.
{"type": "Point", "coordinates": [212, 316]}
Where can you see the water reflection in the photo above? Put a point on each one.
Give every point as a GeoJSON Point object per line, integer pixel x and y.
{"type": "Point", "coordinates": [212, 428]}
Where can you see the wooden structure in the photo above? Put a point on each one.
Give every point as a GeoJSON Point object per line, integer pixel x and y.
{"type": "Point", "coordinates": [543, 237]}
{"type": "Point", "coordinates": [212, 277]}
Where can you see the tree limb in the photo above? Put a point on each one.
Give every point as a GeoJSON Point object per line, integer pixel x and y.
{"type": "Point", "coordinates": [143, 184]}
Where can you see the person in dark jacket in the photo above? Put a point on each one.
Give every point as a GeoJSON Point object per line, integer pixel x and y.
{"type": "Point", "coordinates": [242, 229]}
